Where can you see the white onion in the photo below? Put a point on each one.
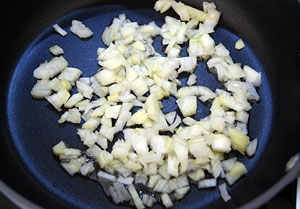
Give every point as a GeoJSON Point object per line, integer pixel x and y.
{"type": "Point", "coordinates": [251, 149]}
{"type": "Point", "coordinates": [224, 194]}
{"type": "Point", "coordinates": [59, 30]}
{"type": "Point", "coordinates": [207, 183]}
{"type": "Point", "coordinates": [56, 50]}
{"type": "Point", "coordinates": [133, 74]}
{"type": "Point", "coordinates": [79, 29]}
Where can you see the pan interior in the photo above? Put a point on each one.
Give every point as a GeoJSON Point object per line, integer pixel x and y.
{"type": "Point", "coordinates": [33, 123]}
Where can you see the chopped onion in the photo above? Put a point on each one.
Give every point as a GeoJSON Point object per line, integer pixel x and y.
{"type": "Point", "coordinates": [207, 183]}
{"type": "Point", "coordinates": [228, 164]}
{"type": "Point", "coordinates": [50, 69]}
{"type": "Point", "coordinates": [239, 44]}
{"type": "Point", "coordinates": [79, 29]}
{"type": "Point", "coordinates": [131, 85]}
{"type": "Point", "coordinates": [238, 169]}
{"type": "Point", "coordinates": [59, 30]}
{"type": "Point", "coordinates": [127, 181]}
{"type": "Point", "coordinates": [72, 115]}
{"type": "Point", "coordinates": [224, 194]}
{"type": "Point", "coordinates": [187, 105]}
{"type": "Point", "coordinates": [41, 89]}
{"type": "Point", "coordinates": [87, 168]}
{"type": "Point", "coordinates": [251, 149]}
{"type": "Point", "coordinates": [166, 200]}
{"type": "Point", "coordinates": [191, 80]}
{"type": "Point", "coordinates": [181, 192]}
{"type": "Point", "coordinates": [136, 199]}
{"type": "Point", "coordinates": [148, 200]}
{"type": "Point", "coordinates": [106, 176]}
{"type": "Point", "coordinates": [56, 50]}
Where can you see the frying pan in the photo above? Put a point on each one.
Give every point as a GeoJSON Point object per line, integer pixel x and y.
{"type": "Point", "coordinates": [30, 175]}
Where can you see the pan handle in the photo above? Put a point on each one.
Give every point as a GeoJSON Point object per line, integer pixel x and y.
{"type": "Point", "coordinates": [293, 172]}
{"type": "Point", "coordinates": [17, 199]}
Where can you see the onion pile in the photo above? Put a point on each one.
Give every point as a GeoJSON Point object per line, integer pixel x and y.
{"type": "Point", "coordinates": [133, 75]}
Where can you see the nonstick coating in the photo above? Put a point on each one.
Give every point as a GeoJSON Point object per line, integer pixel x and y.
{"type": "Point", "coordinates": [31, 127]}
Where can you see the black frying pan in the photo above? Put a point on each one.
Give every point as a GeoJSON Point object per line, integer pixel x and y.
{"type": "Point", "coordinates": [29, 128]}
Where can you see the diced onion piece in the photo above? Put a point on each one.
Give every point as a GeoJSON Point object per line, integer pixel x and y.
{"type": "Point", "coordinates": [239, 44]}
{"type": "Point", "coordinates": [242, 116]}
{"type": "Point", "coordinates": [179, 182]}
{"type": "Point", "coordinates": [138, 86]}
{"type": "Point", "coordinates": [59, 30]}
{"type": "Point", "coordinates": [239, 140]}
{"type": "Point", "coordinates": [41, 89]}
{"type": "Point", "coordinates": [57, 84]}
{"type": "Point", "coordinates": [161, 186]}
{"type": "Point", "coordinates": [59, 99]}
{"type": "Point", "coordinates": [181, 10]}
{"type": "Point", "coordinates": [71, 167]}
{"type": "Point", "coordinates": [220, 143]}
{"type": "Point", "coordinates": [238, 169]}
{"type": "Point", "coordinates": [104, 158]}
{"type": "Point", "coordinates": [88, 137]}
{"type": "Point", "coordinates": [232, 179]}
{"type": "Point", "coordinates": [251, 149]}
{"type": "Point", "coordinates": [166, 200]}
{"type": "Point", "coordinates": [224, 194]}
{"type": "Point", "coordinates": [105, 77]}
{"type": "Point", "coordinates": [93, 152]}
{"type": "Point", "coordinates": [207, 183]}
{"type": "Point", "coordinates": [148, 200]}
{"type": "Point", "coordinates": [91, 124]}
{"type": "Point", "coordinates": [73, 100]}
{"type": "Point", "coordinates": [56, 50]}
{"type": "Point", "coordinates": [187, 105]}
{"type": "Point", "coordinates": [252, 76]}
{"type": "Point", "coordinates": [59, 148]}
{"type": "Point", "coordinates": [173, 165]}
{"type": "Point", "coordinates": [120, 193]}
{"type": "Point", "coordinates": [113, 112]}
{"type": "Point", "coordinates": [153, 180]}
{"type": "Point", "coordinates": [152, 107]}
{"type": "Point", "coordinates": [170, 117]}
{"type": "Point", "coordinates": [181, 192]}
{"type": "Point", "coordinates": [127, 181]}
{"type": "Point", "coordinates": [107, 131]}
{"type": "Point", "coordinates": [50, 69]}
{"type": "Point", "coordinates": [181, 150]}
{"type": "Point", "coordinates": [71, 74]}
{"type": "Point", "coordinates": [162, 5]}
{"type": "Point", "coordinates": [102, 141]}
{"type": "Point", "coordinates": [201, 46]}
{"type": "Point", "coordinates": [106, 176]}
{"type": "Point", "coordinates": [197, 174]}
{"type": "Point", "coordinates": [121, 149]}
{"type": "Point", "coordinates": [87, 168]}
{"type": "Point", "coordinates": [191, 80]}
{"type": "Point", "coordinates": [79, 29]}
{"type": "Point", "coordinates": [138, 141]}
{"type": "Point", "coordinates": [161, 144]}
{"type": "Point", "coordinates": [84, 89]}
{"type": "Point", "coordinates": [228, 164]}
{"type": "Point", "coordinates": [176, 123]}
{"type": "Point", "coordinates": [139, 117]}
{"type": "Point", "coordinates": [141, 178]}
{"type": "Point", "coordinates": [187, 64]}
{"type": "Point", "coordinates": [189, 121]}
{"type": "Point", "coordinates": [72, 115]}
{"type": "Point", "coordinates": [136, 198]}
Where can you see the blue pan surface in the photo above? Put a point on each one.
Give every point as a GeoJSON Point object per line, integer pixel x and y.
{"type": "Point", "coordinates": [33, 123]}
